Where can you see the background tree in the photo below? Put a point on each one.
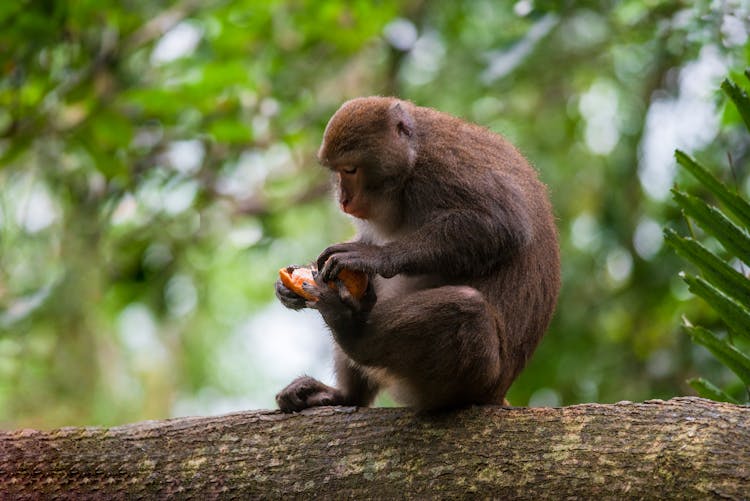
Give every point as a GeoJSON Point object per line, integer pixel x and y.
{"type": "Point", "coordinates": [722, 280]}
{"type": "Point", "coordinates": [157, 164]}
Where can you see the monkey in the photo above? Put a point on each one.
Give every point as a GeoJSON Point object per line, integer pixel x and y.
{"type": "Point", "coordinates": [457, 235]}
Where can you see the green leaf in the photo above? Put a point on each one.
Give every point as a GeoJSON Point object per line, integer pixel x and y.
{"type": "Point", "coordinates": [707, 389]}
{"type": "Point", "coordinates": [717, 272]}
{"type": "Point", "coordinates": [713, 221]}
{"type": "Point", "coordinates": [108, 129]}
{"type": "Point", "coordinates": [734, 314]}
{"type": "Point", "coordinates": [230, 131]}
{"type": "Point", "coordinates": [734, 359]}
{"type": "Point", "coordinates": [739, 98]}
{"type": "Point", "coordinates": [736, 204]}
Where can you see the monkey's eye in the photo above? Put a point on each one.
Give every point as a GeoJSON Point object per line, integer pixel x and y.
{"type": "Point", "coordinates": [349, 170]}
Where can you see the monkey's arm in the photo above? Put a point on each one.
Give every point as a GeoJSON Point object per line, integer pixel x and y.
{"type": "Point", "coordinates": [456, 242]}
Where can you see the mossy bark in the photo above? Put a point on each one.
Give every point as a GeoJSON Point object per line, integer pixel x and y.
{"type": "Point", "coordinates": [685, 448]}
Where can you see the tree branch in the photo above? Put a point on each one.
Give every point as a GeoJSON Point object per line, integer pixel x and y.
{"type": "Point", "coordinates": [681, 448]}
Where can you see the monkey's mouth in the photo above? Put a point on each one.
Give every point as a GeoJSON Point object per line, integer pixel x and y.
{"type": "Point", "coordinates": [350, 206]}
{"type": "Point", "coordinates": [346, 204]}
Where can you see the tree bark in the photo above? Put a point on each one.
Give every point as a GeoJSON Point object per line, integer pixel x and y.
{"type": "Point", "coordinates": [684, 448]}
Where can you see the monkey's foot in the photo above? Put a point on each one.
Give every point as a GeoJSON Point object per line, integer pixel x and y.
{"type": "Point", "coordinates": [306, 392]}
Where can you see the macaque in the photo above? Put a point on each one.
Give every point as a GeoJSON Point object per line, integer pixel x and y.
{"type": "Point", "coordinates": [457, 237]}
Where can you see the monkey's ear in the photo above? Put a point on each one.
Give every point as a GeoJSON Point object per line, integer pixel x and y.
{"type": "Point", "coordinates": [402, 120]}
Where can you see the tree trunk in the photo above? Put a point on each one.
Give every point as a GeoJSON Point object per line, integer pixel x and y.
{"type": "Point", "coordinates": [681, 448]}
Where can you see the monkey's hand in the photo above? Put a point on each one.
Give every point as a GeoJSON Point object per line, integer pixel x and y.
{"type": "Point", "coordinates": [355, 256]}
{"type": "Point", "coordinates": [335, 298]}
{"type": "Point", "coordinates": [288, 297]}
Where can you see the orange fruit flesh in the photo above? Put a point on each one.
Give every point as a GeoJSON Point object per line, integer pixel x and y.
{"type": "Point", "coordinates": [293, 278]}
{"type": "Point", "coordinates": [354, 281]}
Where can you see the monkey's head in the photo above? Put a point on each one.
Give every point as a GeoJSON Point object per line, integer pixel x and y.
{"type": "Point", "coordinates": [370, 144]}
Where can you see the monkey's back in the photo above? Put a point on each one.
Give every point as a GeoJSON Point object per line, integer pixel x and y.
{"type": "Point", "coordinates": [481, 170]}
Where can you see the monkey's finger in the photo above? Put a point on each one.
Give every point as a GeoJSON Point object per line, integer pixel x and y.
{"type": "Point", "coordinates": [337, 262]}
{"type": "Point", "coordinates": [331, 251]}
{"type": "Point", "coordinates": [312, 290]}
{"type": "Point", "coordinates": [370, 289]}
{"type": "Point", "coordinates": [284, 293]}
{"type": "Point", "coordinates": [369, 298]}
{"type": "Point", "coordinates": [283, 290]}
{"type": "Point", "coordinates": [289, 298]}
{"type": "Point", "coordinates": [346, 296]}
{"type": "Point", "coordinates": [318, 277]}
{"type": "Point", "coordinates": [332, 267]}
{"type": "Point", "coordinates": [353, 261]}
{"type": "Point", "coordinates": [323, 270]}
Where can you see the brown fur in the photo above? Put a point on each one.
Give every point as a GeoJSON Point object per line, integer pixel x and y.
{"type": "Point", "coordinates": [459, 237]}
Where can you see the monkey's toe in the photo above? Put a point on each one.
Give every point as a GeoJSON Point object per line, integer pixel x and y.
{"type": "Point", "coordinates": [305, 392]}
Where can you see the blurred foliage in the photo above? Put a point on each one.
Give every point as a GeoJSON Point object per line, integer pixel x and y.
{"type": "Point", "coordinates": [723, 282]}
{"type": "Point", "coordinates": [157, 163]}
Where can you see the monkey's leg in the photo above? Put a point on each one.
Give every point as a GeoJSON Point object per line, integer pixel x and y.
{"type": "Point", "coordinates": [445, 344]}
{"type": "Point", "coordinates": [354, 388]}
